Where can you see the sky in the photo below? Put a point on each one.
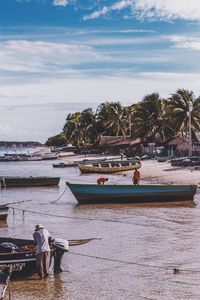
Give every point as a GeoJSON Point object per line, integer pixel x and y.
{"type": "Point", "coordinates": [54, 53]}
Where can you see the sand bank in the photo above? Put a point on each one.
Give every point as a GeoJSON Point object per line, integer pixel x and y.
{"type": "Point", "coordinates": [164, 173]}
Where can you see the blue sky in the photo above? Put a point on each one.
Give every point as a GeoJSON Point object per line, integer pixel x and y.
{"type": "Point", "coordinates": [67, 51]}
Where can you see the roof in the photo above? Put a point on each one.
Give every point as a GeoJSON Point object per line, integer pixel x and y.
{"type": "Point", "coordinates": [118, 140]}
{"type": "Point", "coordinates": [175, 141]}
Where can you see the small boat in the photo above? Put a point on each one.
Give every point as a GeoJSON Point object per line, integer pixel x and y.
{"type": "Point", "coordinates": [3, 212]}
{"type": "Point", "coordinates": [20, 254]}
{"type": "Point", "coordinates": [31, 181]}
{"type": "Point", "coordinates": [64, 165]}
{"type": "Point", "coordinates": [49, 156]}
{"type": "Point", "coordinates": [110, 166]}
{"type": "Point", "coordinates": [94, 193]}
{"type": "Point", "coordinates": [90, 161]}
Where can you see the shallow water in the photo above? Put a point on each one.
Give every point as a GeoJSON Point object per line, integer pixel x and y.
{"type": "Point", "coordinates": [135, 257]}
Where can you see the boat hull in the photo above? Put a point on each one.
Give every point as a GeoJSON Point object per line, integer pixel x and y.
{"type": "Point", "coordinates": [22, 262]}
{"type": "Point", "coordinates": [97, 194]}
{"type": "Point", "coordinates": [28, 181]}
{"type": "Point", "coordinates": [111, 168]}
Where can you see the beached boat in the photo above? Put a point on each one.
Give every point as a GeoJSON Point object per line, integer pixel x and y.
{"type": "Point", "coordinates": [21, 254]}
{"type": "Point", "coordinates": [64, 165]}
{"type": "Point", "coordinates": [94, 193]}
{"type": "Point", "coordinates": [3, 212]}
{"type": "Point", "coordinates": [50, 156]}
{"type": "Point", "coordinates": [31, 181]}
{"type": "Point", "coordinates": [110, 166]}
{"type": "Point", "coordinates": [90, 161]}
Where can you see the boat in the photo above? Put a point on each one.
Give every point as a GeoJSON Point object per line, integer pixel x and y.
{"type": "Point", "coordinates": [20, 254]}
{"type": "Point", "coordinates": [31, 181]}
{"type": "Point", "coordinates": [3, 212]}
{"type": "Point", "coordinates": [110, 166]}
{"type": "Point", "coordinates": [90, 161]}
{"type": "Point", "coordinates": [94, 193]}
{"type": "Point", "coordinates": [64, 165]}
{"type": "Point", "coordinates": [49, 156]}
{"type": "Point", "coordinates": [186, 161]}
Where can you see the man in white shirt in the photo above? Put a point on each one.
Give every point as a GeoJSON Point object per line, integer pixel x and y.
{"type": "Point", "coordinates": [42, 239]}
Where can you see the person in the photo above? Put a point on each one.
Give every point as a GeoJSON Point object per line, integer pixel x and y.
{"type": "Point", "coordinates": [42, 239]}
{"type": "Point", "coordinates": [136, 176]}
{"type": "Point", "coordinates": [101, 180]}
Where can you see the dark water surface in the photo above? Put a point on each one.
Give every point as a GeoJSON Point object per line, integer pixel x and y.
{"type": "Point", "coordinates": [150, 240]}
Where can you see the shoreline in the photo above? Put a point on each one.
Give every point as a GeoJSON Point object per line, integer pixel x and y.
{"type": "Point", "coordinates": [163, 172]}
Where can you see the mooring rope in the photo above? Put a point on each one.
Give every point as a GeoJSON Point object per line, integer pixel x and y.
{"type": "Point", "coordinates": [174, 269]}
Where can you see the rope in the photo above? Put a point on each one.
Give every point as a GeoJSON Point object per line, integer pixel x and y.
{"type": "Point", "coordinates": [175, 270]}
{"type": "Point", "coordinates": [17, 202]}
{"type": "Point", "coordinates": [59, 196]}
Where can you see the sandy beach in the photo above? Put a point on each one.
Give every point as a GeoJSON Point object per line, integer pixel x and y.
{"type": "Point", "coordinates": [164, 173]}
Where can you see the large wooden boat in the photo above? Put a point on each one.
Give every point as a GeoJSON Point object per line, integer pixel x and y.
{"type": "Point", "coordinates": [94, 193]}
{"type": "Point", "coordinates": [3, 212]}
{"type": "Point", "coordinates": [110, 166]}
{"type": "Point", "coordinates": [31, 181]}
{"type": "Point", "coordinates": [20, 254]}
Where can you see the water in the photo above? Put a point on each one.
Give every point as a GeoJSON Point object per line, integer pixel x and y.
{"type": "Point", "coordinates": [163, 237]}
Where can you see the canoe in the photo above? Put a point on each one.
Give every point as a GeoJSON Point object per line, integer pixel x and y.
{"type": "Point", "coordinates": [12, 181]}
{"type": "Point", "coordinates": [110, 167]}
{"type": "Point", "coordinates": [94, 193]}
{"type": "Point", "coordinates": [23, 256]}
{"type": "Point", "coordinates": [3, 212]}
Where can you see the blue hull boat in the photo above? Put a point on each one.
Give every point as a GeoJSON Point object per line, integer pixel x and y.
{"type": "Point", "coordinates": [94, 193]}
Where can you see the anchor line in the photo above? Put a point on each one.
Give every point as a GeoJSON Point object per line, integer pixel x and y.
{"type": "Point", "coordinates": [134, 263]}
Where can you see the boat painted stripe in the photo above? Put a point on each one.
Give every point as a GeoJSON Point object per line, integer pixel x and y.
{"type": "Point", "coordinates": [16, 260]}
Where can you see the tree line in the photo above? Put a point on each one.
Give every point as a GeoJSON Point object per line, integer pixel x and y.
{"type": "Point", "coordinates": [154, 119]}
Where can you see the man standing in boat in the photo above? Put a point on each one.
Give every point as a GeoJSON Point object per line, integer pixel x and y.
{"type": "Point", "coordinates": [136, 177]}
{"type": "Point", "coordinates": [42, 239]}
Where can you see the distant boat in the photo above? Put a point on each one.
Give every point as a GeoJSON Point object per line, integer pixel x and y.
{"type": "Point", "coordinates": [3, 212]}
{"type": "Point", "coordinates": [12, 181]}
{"type": "Point", "coordinates": [64, 165]}
{"type": "Point", "coordinates": [94, 193]}
{"type": "Point", "coordinates": [49, 156]}
{"type": "Point", "coordinates": [34, 158]}
{"type": "Point", "coordinates": [110, 166]}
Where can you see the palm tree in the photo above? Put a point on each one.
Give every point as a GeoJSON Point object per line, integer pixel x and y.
{"type": "Point", "coordinates": [149, 119]}
{"type": "Point", "coordinates": [178, 112]}
{"type": "Point", "coordinates": [112, 119]}
{"type": "Point", "coordinates": [71, 129]}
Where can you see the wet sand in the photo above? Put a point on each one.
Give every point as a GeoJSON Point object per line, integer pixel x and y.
{"type": "Point", "coordinates": [138, 247]}
{"type": "Point", "coordinates": [163, 172]}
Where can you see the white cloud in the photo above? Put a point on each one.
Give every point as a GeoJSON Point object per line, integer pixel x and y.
{"type": "Point", "coordinates": [60, 3]}
{"type": "Point", "coordinates": [39, 56]}
{"type": "Point", "coordinates": [186, 42]}
{"type": "Point", "coordinates": [154, 9]}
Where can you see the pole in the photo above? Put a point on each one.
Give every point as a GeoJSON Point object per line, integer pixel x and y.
{"type": "Point", "coordinates": [190, 132]}
{"type": "Point", "coordinates": [130, 124]}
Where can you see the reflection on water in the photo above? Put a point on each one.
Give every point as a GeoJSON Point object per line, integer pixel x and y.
{"type": "Point", "coordinates": [141, 243]}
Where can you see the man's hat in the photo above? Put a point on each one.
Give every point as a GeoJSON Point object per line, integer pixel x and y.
{"type": "Point", "coordinates": [38, 226]}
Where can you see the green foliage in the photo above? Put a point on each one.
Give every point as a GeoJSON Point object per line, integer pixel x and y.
{"type": "Point", "coordinates": [56, 140]}
{"type": "Point", "coordinates": [152, 119]}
